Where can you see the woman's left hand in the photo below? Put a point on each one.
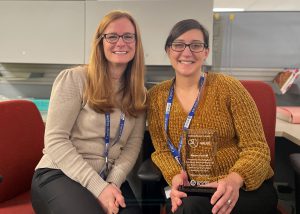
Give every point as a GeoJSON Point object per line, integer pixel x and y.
{"type": "Point", "coordinates": [175, 194]}
{"type": "Point", "coordinates": [227, 194]}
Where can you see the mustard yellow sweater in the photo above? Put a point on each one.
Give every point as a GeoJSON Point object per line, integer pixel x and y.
{"type": "Point", "coordinates": [225, 107]}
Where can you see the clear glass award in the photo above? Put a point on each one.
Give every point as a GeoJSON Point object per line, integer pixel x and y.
{"type": "Point", "coordinates": [199, 160]}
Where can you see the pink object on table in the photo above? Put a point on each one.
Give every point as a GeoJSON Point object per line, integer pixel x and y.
{"type": "Point", "coordinates": [289, 113]}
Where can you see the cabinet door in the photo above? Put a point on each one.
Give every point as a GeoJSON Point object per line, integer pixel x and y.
{"type": "Point", "coordinates": [42, 32]}
{"type": "Point", "coordinates": [155, 19]}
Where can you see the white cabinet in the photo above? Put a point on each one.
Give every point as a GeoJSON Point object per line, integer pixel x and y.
{"type": "Point", "coordinates": [42, 32]}
{"type": "Point", "coordinates": [61, 32]}
{"type": "Point", "coordinates": [155, 19]}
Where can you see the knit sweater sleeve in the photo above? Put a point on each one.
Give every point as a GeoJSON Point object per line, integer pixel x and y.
{"type": "Point", "coordinates": [65, 104]}
{"type": "Point", "coordinates": [254, 159]}
{"type": "Point", "coordinates": [162, 156]}
{"type": "Point", "coordinates": [129, 153]}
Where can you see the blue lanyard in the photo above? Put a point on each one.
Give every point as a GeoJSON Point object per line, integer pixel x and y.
{"type": "Point", "coordinates": [176, 152]}
{"type": "Point", "coordinates": [107, 134]}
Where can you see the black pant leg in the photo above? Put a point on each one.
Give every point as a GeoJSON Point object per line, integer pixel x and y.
{"type": "Point", "coordinates": [132, 205]}
{"type": "Point", "coordinates": [192, 205]}
{"type": "Point", "coordinates": [55, 193]}
{"type": "Point", "coordinates": [263, 201]}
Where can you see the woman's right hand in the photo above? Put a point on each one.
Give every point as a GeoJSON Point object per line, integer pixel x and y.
{"type": "Point", "coordinates": [179, 179]}
{"type": "Point", "coordinates": [111, 198]}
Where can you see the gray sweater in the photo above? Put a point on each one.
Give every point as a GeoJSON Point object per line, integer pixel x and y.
{"type": "Point", "coordinates": [74, 136]}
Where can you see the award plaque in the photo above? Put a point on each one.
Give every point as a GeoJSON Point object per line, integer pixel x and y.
{"type": "Point", "coordinates": [199, 151]}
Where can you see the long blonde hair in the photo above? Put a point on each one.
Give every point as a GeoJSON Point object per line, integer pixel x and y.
{"type": "Point", "coordinates": [99, 91]}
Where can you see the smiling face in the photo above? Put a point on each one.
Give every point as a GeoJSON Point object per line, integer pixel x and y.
{"type": "Point", "coordinates": [120, 53]}
{"type": "Point", "coordinates": [187, 63]}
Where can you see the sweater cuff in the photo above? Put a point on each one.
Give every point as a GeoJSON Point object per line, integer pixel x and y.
{"type": "Point", "coordinates": [96, 185]}
{"type": "Point", "coordinates": [249, 184]}
{"type": "Point", "coordinates": [117, 177]}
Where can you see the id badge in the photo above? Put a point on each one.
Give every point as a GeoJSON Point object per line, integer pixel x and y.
{"type": "Point", "coordinates": [167, 192]}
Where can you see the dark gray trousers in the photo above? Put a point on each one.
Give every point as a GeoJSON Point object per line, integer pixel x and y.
{"type": "Point", "coordinates": [263, 201]}
{"type": "Point", "coordinates": [53, 192]}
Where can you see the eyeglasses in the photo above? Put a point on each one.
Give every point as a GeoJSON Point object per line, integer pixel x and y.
{"type": "Point", "coordinates": [194, 47]}
{"type": "Point", "coordinates": [114, 38]}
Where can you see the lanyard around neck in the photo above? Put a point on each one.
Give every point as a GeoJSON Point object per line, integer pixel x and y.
{"type": "Point", "coordinates": [176, 152]}
{"type": "Point", "coordinates": [107, 134]}
{"type": "Point", "coordinates": [107, 131]}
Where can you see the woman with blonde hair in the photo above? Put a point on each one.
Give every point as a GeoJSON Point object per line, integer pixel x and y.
{"type": "Point", "coordinates": [95, 127]}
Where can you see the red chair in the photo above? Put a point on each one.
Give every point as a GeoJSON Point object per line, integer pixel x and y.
{"type": "Point", "coordinates": [264, 97]}
{"type": "Point", "coordinates": [21, 144]}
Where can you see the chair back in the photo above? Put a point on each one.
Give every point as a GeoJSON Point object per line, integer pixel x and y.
{"type": "Point", "coordinates": [21, 144]}
{"type": "Point", "coordinates": [264, 97]}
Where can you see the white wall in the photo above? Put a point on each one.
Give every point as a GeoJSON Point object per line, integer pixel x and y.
{"type": "Point", "coordinates": [155, 19]}
{"type": "Point", "coordinates": [42, 32]}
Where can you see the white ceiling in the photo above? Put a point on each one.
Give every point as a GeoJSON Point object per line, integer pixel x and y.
{"type": "Point", "coordinates": [259, 5]}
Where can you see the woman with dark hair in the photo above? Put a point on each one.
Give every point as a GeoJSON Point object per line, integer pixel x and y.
{"type": "Point", "coordinates": [95, 127]}
{"type": "Point", "coordinates": [198, 100]}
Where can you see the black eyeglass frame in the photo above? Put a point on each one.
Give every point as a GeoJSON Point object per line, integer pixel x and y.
{"type": "Point", "coordinates": [205, 46]}
{"type": "Point", "coordinates": [119, 36]}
